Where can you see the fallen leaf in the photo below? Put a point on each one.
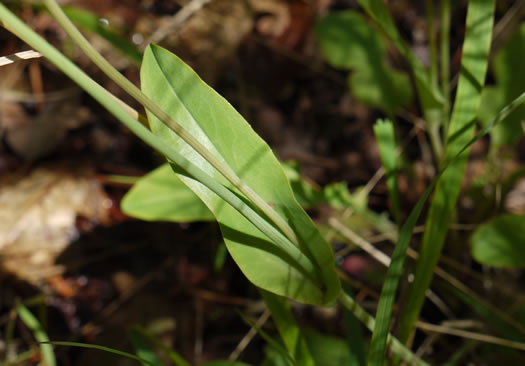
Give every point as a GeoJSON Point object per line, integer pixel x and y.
{"type": "Point", "coordinates": [38, 213]}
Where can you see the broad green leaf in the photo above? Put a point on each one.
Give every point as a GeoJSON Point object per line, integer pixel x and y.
{"type": "Point", "coordinates": [348, 42]}
{"type": "Point", "coordinates": [288, 328]}
{"type": "Point", "coordinates": [143, 348]}
{"type": "Point", "coordinates": [211, 119]}
{"type": "Point", "coordinates": [500, 242]}
{"type": "Point", "coordinates": [510, 80]}
{"type": "Point", "coordinates": [46, 349]}
{"type": "Point", "coordinates": [476, 47]}
{"type": "Point", "coordinates": [429, 95]}
{"type": "Point", "coordinates": [386, 141]}
{"type": "Point", "coordinates": [161, 196]}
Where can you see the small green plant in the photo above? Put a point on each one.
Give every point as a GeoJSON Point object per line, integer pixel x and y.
{"type": "Point", "coordinates": [224, 171]}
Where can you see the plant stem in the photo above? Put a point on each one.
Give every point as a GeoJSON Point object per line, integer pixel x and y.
{"type": "Point", "coordinates": [107, 100]}
{"type": "Point", "coordinates": [369, 321]}
{"type": "Point", "coordinates": [444, 53]}
{"type": "Point", "coordinates": [221, 166]}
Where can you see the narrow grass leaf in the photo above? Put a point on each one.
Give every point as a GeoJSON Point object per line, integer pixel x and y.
{"type": "Point", "coordinates": [143, 348]}
{"type": "Point", "coordinates": [161, 196]}
{"type": "Point", "coordinates": [378, 344]}
{"type": "Point", "coordinates": [386, 141]}
{"type": "Point", "coordinates": [46, 350]}
{"type": "Point", "coordinates": [288, 329]}
{"type": "Point", "coordinates": [480, 17]}
{"type": "Point", "coordinates": [209, 117]}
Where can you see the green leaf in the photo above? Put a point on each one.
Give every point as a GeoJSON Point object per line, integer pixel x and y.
{"type": "Point", "coordinates": [288, 328]}
{"type": "Point", "coordinates": [327, 350]}
{"type": "Point", "coordinates": [429, 95]}
{"type": "Point", "coordinates": [143, 348]}
{"type": "Point", "coordinates": [348, 42]}
{"type": "Point", "coordinates": [46, 350]}
{"type": "Point", "coordinates": [500, 242]}
{"type": "Point", "coordinates": [211, 119]}
{"type": "Point", "coordinates": [161, 196]}
{"type": "Point", "coordinates": [510, 78]}
{"type": "Point", "coordinates": [386, 141]}
{"type": "Point", "coordinates": [480, 16]}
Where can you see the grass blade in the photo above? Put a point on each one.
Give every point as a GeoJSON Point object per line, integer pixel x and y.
{"type": "Point", "coordinates": [480, 17]}
{"type": "Point", "coordinates": [46, 350]}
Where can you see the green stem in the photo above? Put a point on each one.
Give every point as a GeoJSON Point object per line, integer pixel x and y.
{"type": "Point", "coordinates": [444, 54]}
{"type": "Point", "coordinates": [105, 99]}
{"type": "Point", "coordinates": [369, 321]}
{"type": "Point", "coordinates": [150, 105]}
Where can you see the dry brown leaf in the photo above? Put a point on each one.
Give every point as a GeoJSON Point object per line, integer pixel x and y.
{"type": "Point", "coordinates": [38, 214]}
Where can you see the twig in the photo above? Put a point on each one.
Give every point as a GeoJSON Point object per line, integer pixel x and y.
{"type": "Point", "coordinates": [24, 55]}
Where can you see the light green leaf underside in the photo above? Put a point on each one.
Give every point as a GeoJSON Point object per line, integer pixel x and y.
{"type": "Point", "coordinates": [209, 117]}
{"type": "Point", "coordinates": [348, 42]}
{"type": "Point", "coordinates": [161, 196]}
{"type": "Point", "coordinates": [501, 242]}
